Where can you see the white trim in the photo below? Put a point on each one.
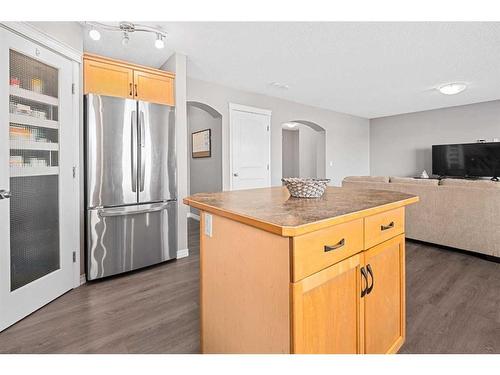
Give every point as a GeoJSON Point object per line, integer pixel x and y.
{"type": "Point", "coordinates": [246, 108]}
{"type": "Point", "coordinates": [76, 180]}
{"type": "Point", "coordinates": [31, 32]}
{"type": "Point", "coordinates": [249, 109]}
{"type": "Point", "coordinates": [182, 253]}
{"type": "Point", "coordinates": [193, 216]}
{"type": "Point", "coordinates": [83, 280]}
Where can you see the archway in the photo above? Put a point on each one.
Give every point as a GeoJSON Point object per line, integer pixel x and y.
{"type": "Point", "coordinates": [205, 173]}
{"type": "Point", "coordinates": [303, 149]}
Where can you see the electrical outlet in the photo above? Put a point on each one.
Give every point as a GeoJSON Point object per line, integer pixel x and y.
{"type": "Point", "coordinates": [208, 225]}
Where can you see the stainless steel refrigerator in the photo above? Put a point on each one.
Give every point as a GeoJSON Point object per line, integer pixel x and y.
{"type": "Point", "coordinates": [131, 218]}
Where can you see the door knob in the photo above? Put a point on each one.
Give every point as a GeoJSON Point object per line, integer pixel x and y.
{"type": "Point", "coordinates": [4, 194]}
{"type": "Point", "coordinates": [235, 174]}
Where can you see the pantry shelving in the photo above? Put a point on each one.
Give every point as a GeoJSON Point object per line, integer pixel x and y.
{"type": "Point", "coordinates": [25, 171]}
{"type": "Point", "coordinates": [34, 96]}
{"type": "Point", "coordinates": [33, 121]}
{"type": "Point", "coordinates": [33, 145]}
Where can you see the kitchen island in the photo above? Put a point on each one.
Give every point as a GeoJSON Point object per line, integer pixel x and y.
{"type": "Point", "coordinates": [286, 275]}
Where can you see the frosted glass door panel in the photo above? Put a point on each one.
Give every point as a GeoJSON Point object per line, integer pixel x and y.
{"type": "Point", "coordinates": [34, 169]}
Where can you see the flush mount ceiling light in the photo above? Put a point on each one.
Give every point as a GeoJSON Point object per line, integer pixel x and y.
{"type": "Point", "coordinates": [278, 85]}
{"type": "Point", "coordinates": [452, 88]}
{"type": "Point", "coordinates": [94, 34]}
{"type": "Point", "coordinates": [127, 28]}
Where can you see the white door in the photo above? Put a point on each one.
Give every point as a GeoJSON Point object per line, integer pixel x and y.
{"type": "Point", "coordinates": [250, 147]}
{"type": "Point", "coordinates": [36, 159]}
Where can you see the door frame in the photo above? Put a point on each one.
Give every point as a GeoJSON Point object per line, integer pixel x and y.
{"type": "Point", "coordinates": [249, 109]}
{"type": "Point", "coordinates": [37, 36]}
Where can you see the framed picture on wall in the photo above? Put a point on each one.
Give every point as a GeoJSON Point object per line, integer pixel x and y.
{"type": "Point", "coordinates": [201, 144]}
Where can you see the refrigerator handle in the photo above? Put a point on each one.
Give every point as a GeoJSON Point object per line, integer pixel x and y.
{"type": "Point", "coordinates": [142, 160]}
{"type": "Point", "coordinates": [133, 126]}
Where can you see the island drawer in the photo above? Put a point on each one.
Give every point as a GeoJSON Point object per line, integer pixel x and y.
{"type": "Point", "coordinates": [317, 250]}
{"type": "Point", "coordinates": [383, 226]}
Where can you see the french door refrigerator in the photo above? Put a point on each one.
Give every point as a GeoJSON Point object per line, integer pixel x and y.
{"type": "Point", "coordinates": [130, 185]}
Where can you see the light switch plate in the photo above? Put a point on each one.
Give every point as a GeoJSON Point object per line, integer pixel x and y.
{"type": "Point", "coordinates": [208, 225]}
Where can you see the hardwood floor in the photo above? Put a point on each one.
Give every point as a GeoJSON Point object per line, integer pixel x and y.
{"type": "Point", "coordinates": [453, 306]}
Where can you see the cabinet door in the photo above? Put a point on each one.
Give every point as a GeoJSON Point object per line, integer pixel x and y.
{"type": "Point", "coordinates": [153, 88]}
{"type": "Point", "coordinates": [107, 79]}
{"type": "Point", "coordinates": [327, 309]}
{"type": "Point", "coordinates": [385, 298]}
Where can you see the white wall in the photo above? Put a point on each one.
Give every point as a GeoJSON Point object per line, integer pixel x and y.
{"type": "Point", "coordinates": [70, 33]}
{"type": "Point", "coordinates": [205, 174]}
{"type": "Point", "coordinates": [347, 137]}
{"type": "Point", "coordinates": [401, 145]}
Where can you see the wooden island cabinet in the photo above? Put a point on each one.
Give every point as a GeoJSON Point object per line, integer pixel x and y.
{"type": "Point", "coordinates": [286, 275]}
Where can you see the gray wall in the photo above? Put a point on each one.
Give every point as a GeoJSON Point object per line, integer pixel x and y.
{"type": "Point", "coordinates": [205, 174]}
{"type": "Point", "coordinates": [290, 153]}
{"type": "Point", "coordinates": [347, 137]}
{"type": "Point", "coordinates": [308, 139]}
{"type": "Point", "coordinates": [401, 145]}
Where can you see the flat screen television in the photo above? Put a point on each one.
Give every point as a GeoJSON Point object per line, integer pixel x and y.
{"type": "Point", "coordinates": [466, 160]}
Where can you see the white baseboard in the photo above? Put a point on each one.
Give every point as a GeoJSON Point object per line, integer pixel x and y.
{"type": "Point", "coordinates": [193, 216]}
{"type": "Point", "coordinates": [182, 253]}
{"type": "Point", "coordinates": [83, 279]}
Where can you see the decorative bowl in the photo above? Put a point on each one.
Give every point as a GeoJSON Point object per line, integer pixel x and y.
{"type": "Point", "coordinates": [305, 187]}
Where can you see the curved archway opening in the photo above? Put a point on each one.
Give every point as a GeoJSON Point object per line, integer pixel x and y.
{"type": "Point", "coordinates": [205, 172]}
{"type": "Point", "coordinates": [303, 149]}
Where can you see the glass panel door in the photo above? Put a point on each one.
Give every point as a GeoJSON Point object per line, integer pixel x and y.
{"type": "Point", "coordinates": [34, 169]}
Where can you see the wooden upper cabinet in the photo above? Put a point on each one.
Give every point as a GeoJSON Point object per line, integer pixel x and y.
{"type": "Point", "coordinates": [105, 76]}
{"type": "Point", "coordinates": [327, 310]}
{"type": "Point", "coordinates": [107, 79]}
{"type": "Point", "coordinates": [153, 88]}
{"type": "Point", "coordinates": [385, 303]}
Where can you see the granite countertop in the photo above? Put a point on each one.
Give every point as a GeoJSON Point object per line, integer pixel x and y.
{"type": "Point", "coordinates": [274, 210]}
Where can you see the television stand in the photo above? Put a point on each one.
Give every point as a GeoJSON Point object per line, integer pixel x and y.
{"type": "Point", "coordinates": [495, 179]}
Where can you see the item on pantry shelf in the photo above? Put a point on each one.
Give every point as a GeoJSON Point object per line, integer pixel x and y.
{"type": "Point", "coordinates": [36, 162]}
{"type": "Point", "coordinates": [16, 161]}
{"type": "Point", "coordinates": [23, 109]}
{"type": "Point", "coordinates": [14, 81]}
{"type": "Point", "coordinates": [19, 132]}
{"type": "Point", "coordinates": [39, 114]}
{"type": "Point", "coordinates": [37, 85]}
{"type": "Point", "coordinates": [424, 174]}
{"type": "Point", "coordinates": [305, 187]}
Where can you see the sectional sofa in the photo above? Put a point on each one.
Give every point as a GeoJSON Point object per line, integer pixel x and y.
{"type": "Point", "coordinates": [464, 214]}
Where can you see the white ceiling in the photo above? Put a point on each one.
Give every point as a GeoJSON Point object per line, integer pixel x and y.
{"type": "Point", "coordinates": [365, 69]}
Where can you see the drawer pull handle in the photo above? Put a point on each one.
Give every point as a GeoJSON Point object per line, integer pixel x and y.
{"type": "Point", "coordinates": [369, 289]}
{"type": "Point", "coordinates": [340, 244]}
{"type": "Point", "coordinates": [386, 227]}
{"type": "Point", "coordinates": [365, 277]}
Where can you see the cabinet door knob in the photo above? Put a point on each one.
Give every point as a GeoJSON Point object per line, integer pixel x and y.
{"type": "Point", "coordinates": [130, 90]}
{"type": "Point", "coordinates": [235, 174]}
{"type": "Point", "coordinates": [135, 89]}
{"type": "Point", "coordinates": [365, 277]}
{"type": "Point", "coordinates": [370, 288]}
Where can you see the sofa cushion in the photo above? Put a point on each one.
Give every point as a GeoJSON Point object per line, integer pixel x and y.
{"type": "Point", "coordinates": [480, 184]}
{"type": "Point", "coordinates": [415, 181]}
{"type": "Point", "coordinates": [367, 179]}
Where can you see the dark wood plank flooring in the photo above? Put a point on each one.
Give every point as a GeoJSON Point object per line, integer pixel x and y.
{"type": "Point", "coordinates": [453, 306]}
